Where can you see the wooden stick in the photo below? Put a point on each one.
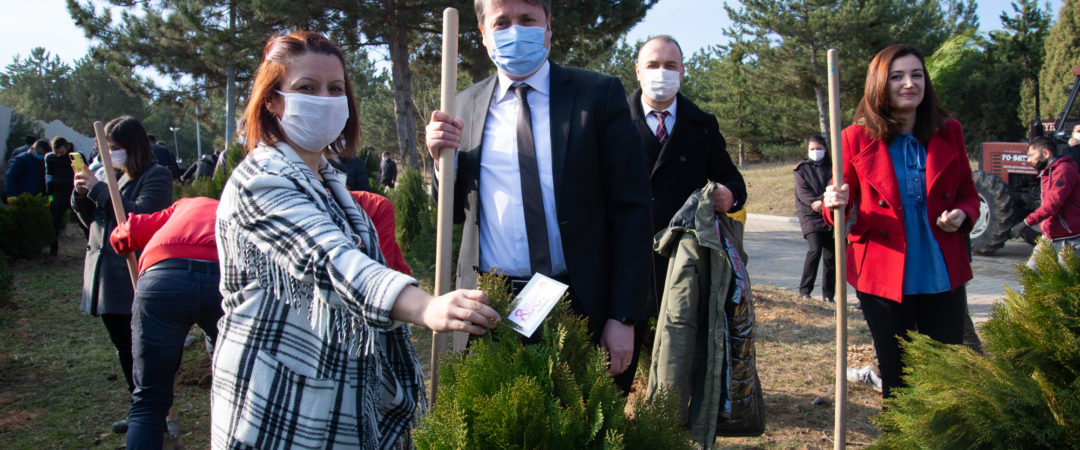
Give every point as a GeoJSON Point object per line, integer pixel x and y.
{"type": "Point", "coordinates": [114, 193]}
{"type": "Point", "coordinates": [840, 240]}
{"type": "Point", "coordinates": [445, 228]}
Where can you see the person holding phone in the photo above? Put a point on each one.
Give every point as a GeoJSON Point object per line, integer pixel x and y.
{"type": "Point", "coordinates": [145, 187]}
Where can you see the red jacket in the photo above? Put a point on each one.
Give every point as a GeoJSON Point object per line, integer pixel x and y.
{"type": "Point", "coordinates": [877, 244]}
{"type": "Point", "coordinates": [381, 212]}
{"type": "Point", "coordinates": [183, 230]}
{"type": "Point", "coordinates": [1059, 212]}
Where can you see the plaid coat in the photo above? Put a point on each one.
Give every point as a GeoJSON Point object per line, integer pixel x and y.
{"type": "Point", "coordinates": [307, 355]}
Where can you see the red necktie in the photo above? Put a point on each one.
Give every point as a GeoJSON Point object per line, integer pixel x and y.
{"type": "Point", "coordinates": [661, 129]}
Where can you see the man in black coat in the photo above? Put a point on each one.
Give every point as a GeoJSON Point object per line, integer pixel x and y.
{"type": "Point", "coordinates": [683, 151]}
{"type": "Point", "coordinates": [388, 171]}
{"type": "Point", "coordinates": [564, 138]}
{"type": "Point", "coordinates": [165, 157]}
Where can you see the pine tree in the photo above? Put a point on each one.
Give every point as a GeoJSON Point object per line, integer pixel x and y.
{"type": "Point", "coordinates": [1062, 54]}
{"type": "Point", "coordinates": [1024, 394]}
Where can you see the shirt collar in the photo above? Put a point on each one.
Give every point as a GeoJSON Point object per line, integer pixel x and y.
{"type": "Point", "coordinates": [539, 81]}
{"type": "Point", "coordinates": [670, 109]}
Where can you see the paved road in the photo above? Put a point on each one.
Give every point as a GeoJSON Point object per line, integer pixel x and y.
{"type": "Point", "coordinates": [776, 250]}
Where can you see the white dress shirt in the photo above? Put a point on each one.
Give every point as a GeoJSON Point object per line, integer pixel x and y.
{"type": "Point", "coordinates": [652, 121]}
{"type": "Point", "coordinates": [504, 243]}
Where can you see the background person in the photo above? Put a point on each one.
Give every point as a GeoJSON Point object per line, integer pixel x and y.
{"type": "Point", "coordinates": [387, 171]}
{"type": "Point", "coordinates": [1058, 214]}
{"type": "Point", "coordinates": [354, 168]}
{"type": "Point", "coordinates": [518, 156]}
{"type": "Point", "coordinates": [812, 175]}
{"type": "Point", "coordinates": [311, 350]}
{"type": "Point", "coordinates": [684, 150]}
{"type": "Point", "coordinates": [177, 288]}
{"type": "Point", "coordinates": [26, 173]}
{"type": "Point", "coordinates": [145, 187]}
{"type": "Point", "coordinates": [906, 170]}
{"type": "Point", "coordinates": [381, 212]}
{"type": "Point", "coordinates": [164, 156]}
{"type": "Point", "coordinates": [59, 183]}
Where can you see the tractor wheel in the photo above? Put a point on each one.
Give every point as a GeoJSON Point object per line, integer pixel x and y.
{"type": "Point", "coordinates": [997, 213]}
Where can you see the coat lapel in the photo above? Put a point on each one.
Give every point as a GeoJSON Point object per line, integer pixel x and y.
{"type": "Point", "coordinates": [649, 143]}
{"type": "Point", "coordinates": [562, 101]}
{"type": "Point", "coordinates": [939, 155]}
{"type": "Point", "coordinates": [874, 160]}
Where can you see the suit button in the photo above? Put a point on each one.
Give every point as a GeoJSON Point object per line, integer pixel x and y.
{"type": "Point", "coordinates": [881, 203]}
{"type": "Point", "coordinates": [682, 159]}
{"type": "Point", "coordinates": [884, 234]}
{"type": "Point", "coordinates": [945, 196]}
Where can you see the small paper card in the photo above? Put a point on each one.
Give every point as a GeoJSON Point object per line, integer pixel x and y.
{"type": "Point", "coordinates": [533, 304]}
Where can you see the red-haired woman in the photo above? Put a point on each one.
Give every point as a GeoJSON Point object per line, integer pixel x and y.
{"type": "Point", "coordinates": [311, 352]}
{"type": "Point", "coordinates": [907, 173]}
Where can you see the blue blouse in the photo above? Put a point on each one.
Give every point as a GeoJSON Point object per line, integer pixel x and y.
{"type": "Point", "coordinates": [924, 265]}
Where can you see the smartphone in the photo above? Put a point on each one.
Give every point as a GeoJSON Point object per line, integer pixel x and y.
{"type": "Point", "coordinates": [77, 162]}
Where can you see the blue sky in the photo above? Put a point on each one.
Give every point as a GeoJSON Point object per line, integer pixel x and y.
{"type": "Point", "coordinates": [695, 23]}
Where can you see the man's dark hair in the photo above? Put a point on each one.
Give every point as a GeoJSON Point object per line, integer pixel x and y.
{"type": "Point", "coordinates": [30, 140]}
{"type": "Point", "coordinates": [153, 140]}
{"type": "Point", "coordinates": [386, 153]}
{"type": "Point", "coordinates": [41, 146]}
{"type": "Point", "coordinates": [1044, 143]}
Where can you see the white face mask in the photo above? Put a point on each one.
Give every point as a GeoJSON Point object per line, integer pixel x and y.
{"type": "Point", "coordinates": [1076, 136]}
{"type": "Point", "coordinates": [118, 157]}
{"type": "Point", "coordinates": [313, 122]}
{"type": "Point", "coordinates": [660, 84]}
{"type": "Point", "coordinates": [816, 155]}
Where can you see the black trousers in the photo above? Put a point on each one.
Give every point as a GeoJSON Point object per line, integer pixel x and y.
{"type": "Point", "coordinates": [61, 203]}
{"type": "Point", "coordinates": [119, 328]}
{"type": "Point", "coordinates": [940, 316]}
{"type": "Point", "coordinates": [821, 247]}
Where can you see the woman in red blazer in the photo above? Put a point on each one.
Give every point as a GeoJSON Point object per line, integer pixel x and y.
{"type": "Point", "coordinates": [906, 174]}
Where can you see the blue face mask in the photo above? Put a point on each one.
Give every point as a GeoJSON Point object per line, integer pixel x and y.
{"type": "Point", "coordinates": [37, 155]}
{"type": "Point", "coordinates": [519, 51]}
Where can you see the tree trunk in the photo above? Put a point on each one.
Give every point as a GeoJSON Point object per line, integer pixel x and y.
{"type": "Point", "coordinates": [742, 153]}
{"type": "Point", "coordinates": [230, 85]}
{"type": "Point", "coordinates": [404, 108]}
{"type": "Point", "coordinates": [823, 118]}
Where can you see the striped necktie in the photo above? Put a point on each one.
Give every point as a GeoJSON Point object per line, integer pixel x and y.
{"type": "Point", "coordinates": [661, 129]}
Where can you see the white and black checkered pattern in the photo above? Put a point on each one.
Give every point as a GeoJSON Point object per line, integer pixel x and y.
{"type": "Point", "coordinates": [307, 354]}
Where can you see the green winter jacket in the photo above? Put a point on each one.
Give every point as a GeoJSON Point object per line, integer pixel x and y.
{"type": "Point", "coordinates": [704, 339]}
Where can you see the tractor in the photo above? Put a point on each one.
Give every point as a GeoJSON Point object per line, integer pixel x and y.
{"type": "Point", "coordinates": [1009, 187]}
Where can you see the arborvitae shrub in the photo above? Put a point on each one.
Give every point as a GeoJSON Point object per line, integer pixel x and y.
{"type": "Point", "coordinates": [413, 209]}
{"type": "Point", "coordinates": [555, 394]}
{"type": "Point", "coordinates": [1025, 393]}
{"type": "Point", "coordinates": [26, 226]}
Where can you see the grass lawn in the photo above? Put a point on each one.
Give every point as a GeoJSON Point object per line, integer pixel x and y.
{"type": "Point", "coordinates": [770, 188]}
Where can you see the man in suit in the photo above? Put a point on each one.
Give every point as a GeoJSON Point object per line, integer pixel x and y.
{"type": "Point", "coordinates": [684, 150]}
{"type": "Point", "coordinates": [554, 184]}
